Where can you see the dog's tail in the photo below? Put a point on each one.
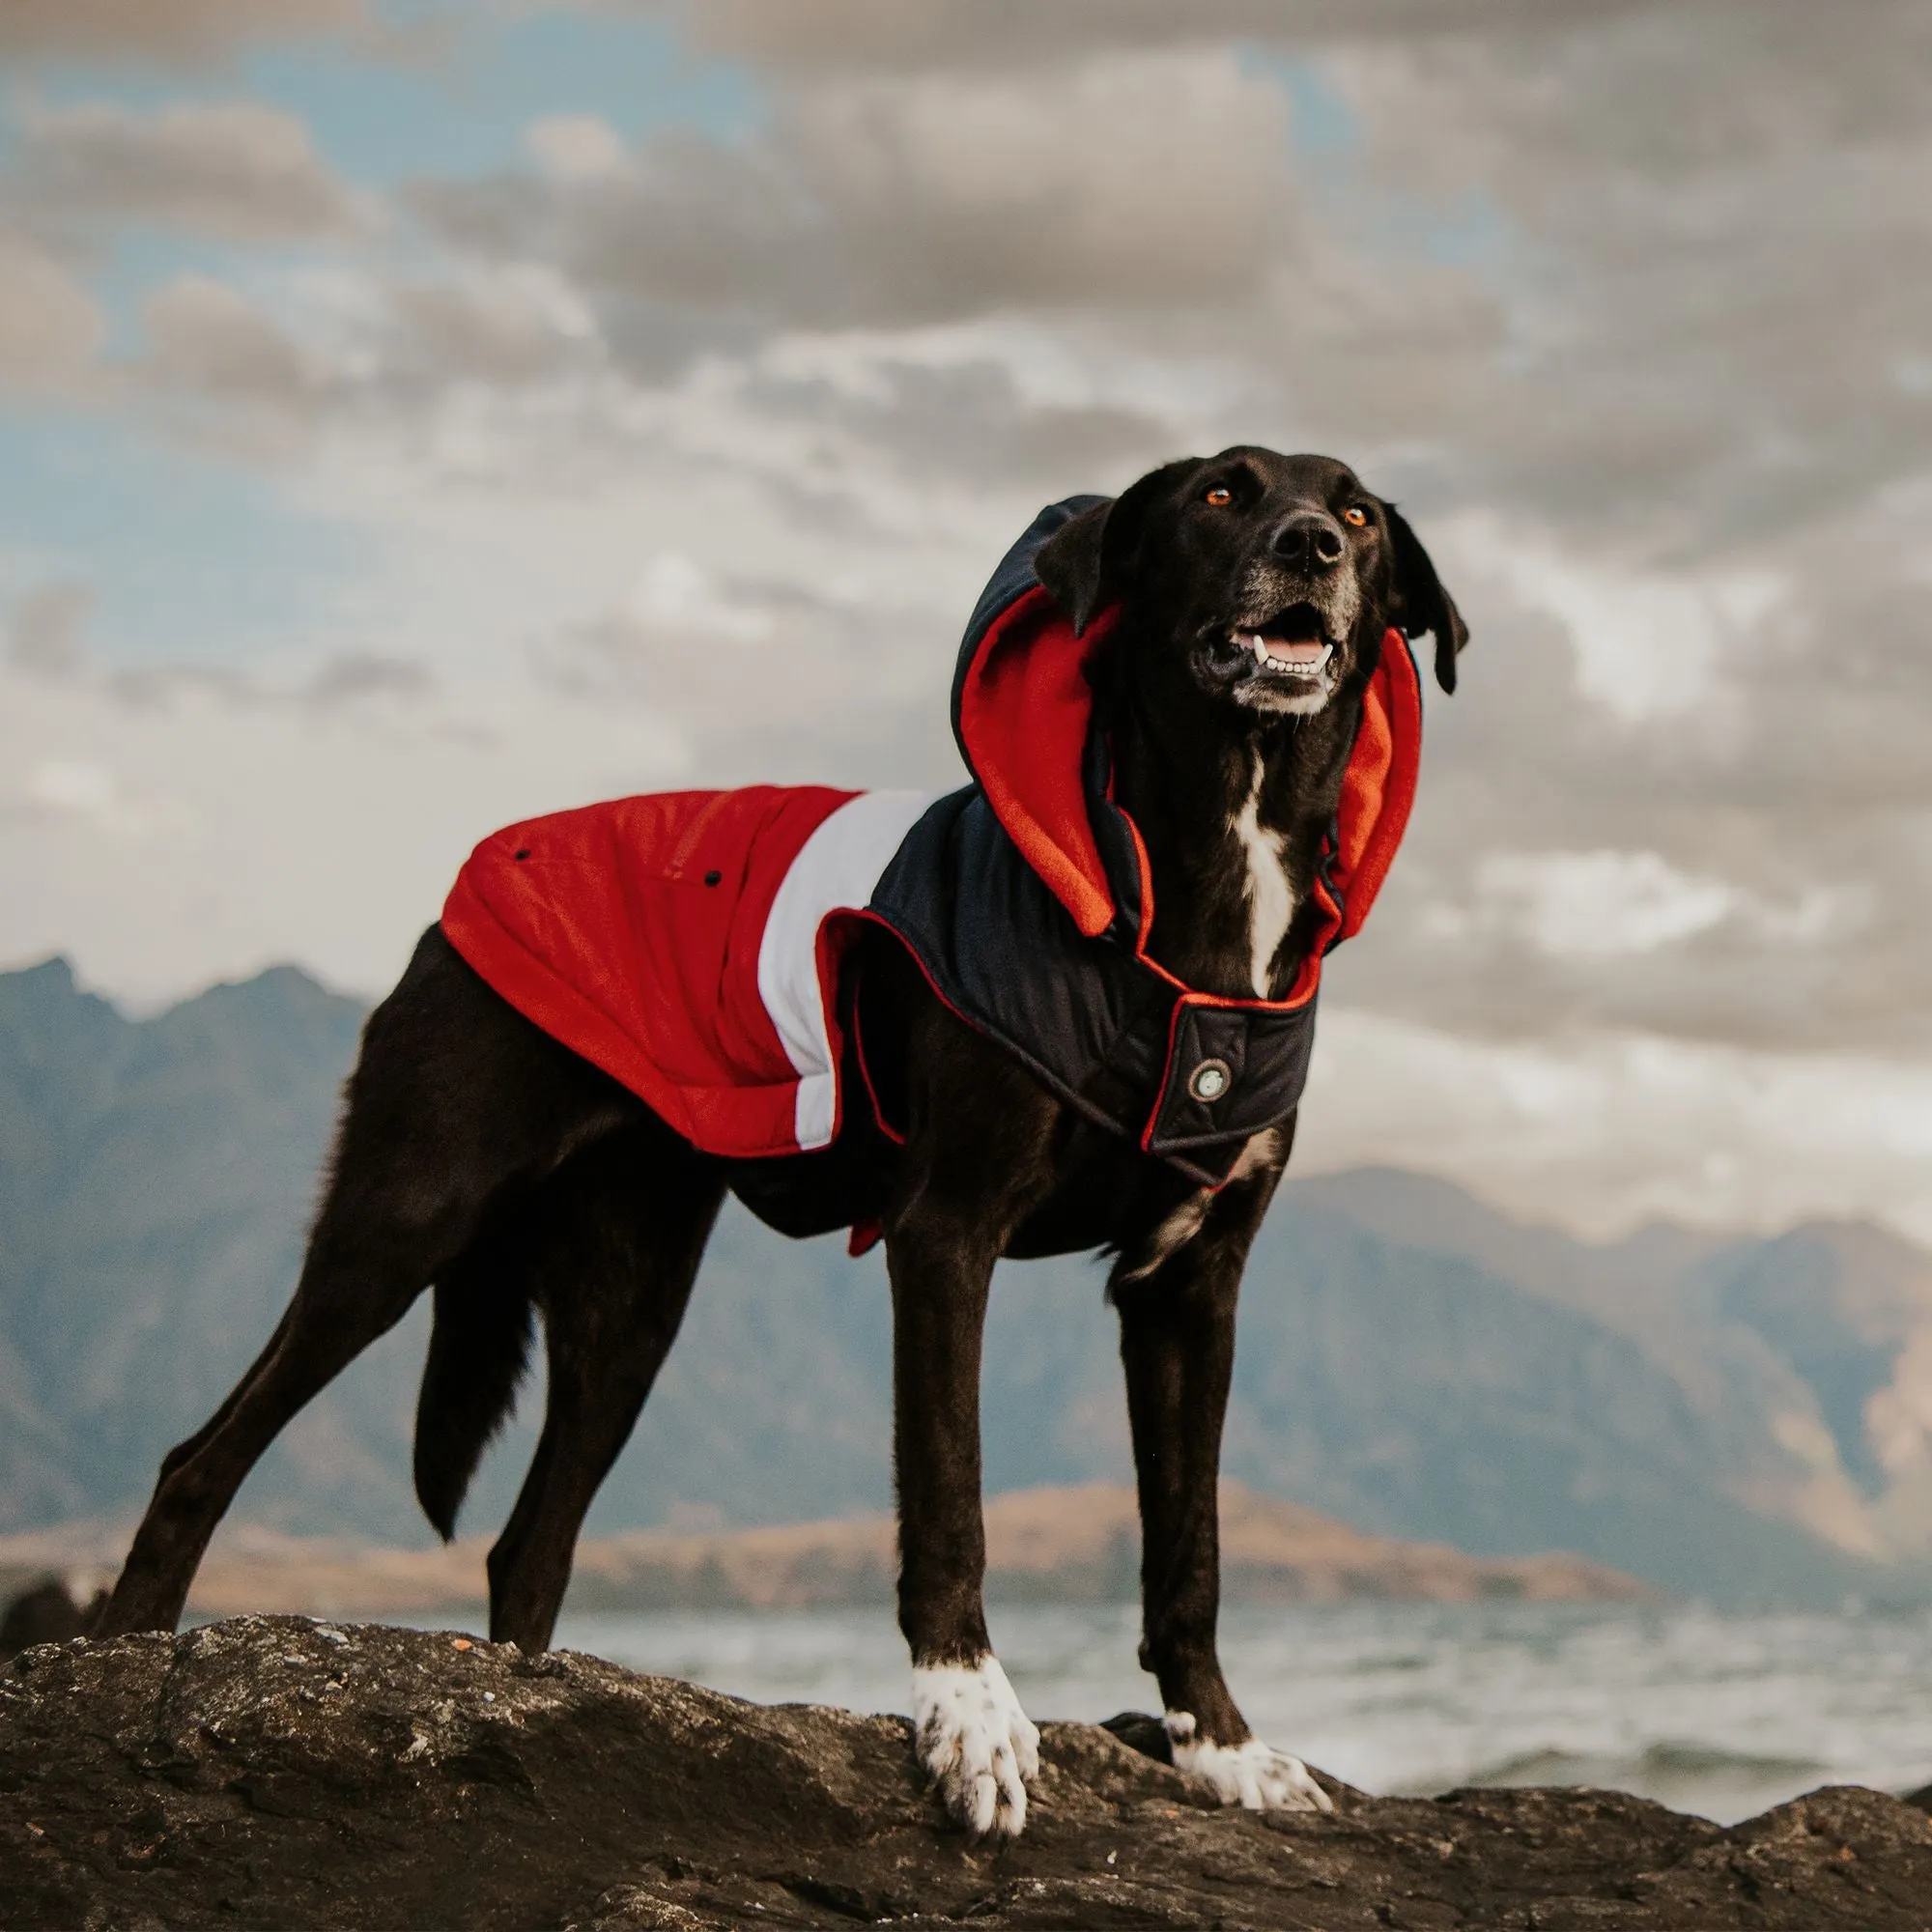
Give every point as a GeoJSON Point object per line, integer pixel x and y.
{"type": "Point", "coordinates": [478, 1346]}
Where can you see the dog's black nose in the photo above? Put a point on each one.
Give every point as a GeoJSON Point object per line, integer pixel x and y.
{"type": "Point", "coordinates": [1309, 539]}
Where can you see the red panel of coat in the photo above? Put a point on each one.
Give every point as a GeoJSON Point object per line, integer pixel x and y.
{"type": "Point", "coordinates": [687, 943]}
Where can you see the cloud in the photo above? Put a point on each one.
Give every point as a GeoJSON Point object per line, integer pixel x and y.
{"type": "Point", "coordinates": [577, 148]}
{"type": "Point", "coordinates": [1692, 193]}
{"type": "Point", "coordinates": [83, 794]}
{"type": "Point", "coordinates": [1472, 241]}
{"type": "Point", "coordinates": [236, 170]}
{"type": "Point", "coordinates": [1749, 873]}
{"type": "Point", "coordinates": [322, 820]}
{"type": "Point", "coordinates": [176, 31]}
{"type": "Point", "coordinates": [892, 35]}
{"type": "Point", "coordinates": [1605, 1130]}
{"type": "Point", "coordinates": [50, 328]}
{"type": "Point", "coordinates": [505, 329]}
{"type": "Point", "coordinates": [358, 684]}
{"type": "Point", "coordinates": [918, 200]}
{"type": "Point", "coordinates": [743, 663]}
{"type": "Point", "coordinates": [1649, 643]}
{"type": "Point", "coordinates": [207, 343]}
{"type": "Point", "coordinates": [1601, 905]}
{"type": "Point", "coordinates": [264, 376]}
{"type": "Point", "coordinates": [47, 630]}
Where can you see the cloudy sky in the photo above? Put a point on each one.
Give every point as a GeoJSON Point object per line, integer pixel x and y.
{"type": "Point", "coordinates": [416, 417]}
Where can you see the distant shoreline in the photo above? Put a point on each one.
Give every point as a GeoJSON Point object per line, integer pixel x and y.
{"type": "Point", "coordinates": [1077, 1544]}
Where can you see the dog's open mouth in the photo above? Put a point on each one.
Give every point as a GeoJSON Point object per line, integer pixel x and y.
{"type": "Point", "coordinates": [1291, 644]}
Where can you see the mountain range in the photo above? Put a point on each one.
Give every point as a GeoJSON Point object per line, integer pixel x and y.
{"type": "Point", "coordinates": [1742, 1418]}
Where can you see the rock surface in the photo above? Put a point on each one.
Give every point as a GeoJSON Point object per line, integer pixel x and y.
{"type": "Point", "coordinates": [274, 1771]}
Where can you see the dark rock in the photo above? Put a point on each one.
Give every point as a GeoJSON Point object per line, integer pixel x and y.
{"type": "Point", "coordinates": [1140, 1731]}
{"type": "Point", "coordinates": [274, 1771]}
{"type": "Point", "coordinates": [46, 1613]}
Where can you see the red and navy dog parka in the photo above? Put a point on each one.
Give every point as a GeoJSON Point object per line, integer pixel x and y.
{"type": "Point", "coordinates": [694, 945]}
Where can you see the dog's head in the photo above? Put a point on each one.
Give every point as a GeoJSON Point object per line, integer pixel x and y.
{"type": "Point", "coordinates": [1274, 578]}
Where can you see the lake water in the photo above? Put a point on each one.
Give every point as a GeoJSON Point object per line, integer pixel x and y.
{"type": "Point", "coordinates": [1719, 1715]}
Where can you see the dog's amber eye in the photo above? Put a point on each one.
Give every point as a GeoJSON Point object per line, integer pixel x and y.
{"type": "Point", "coordinates": [1357, 515]}
{"type": "Point", "coordinates": [1220, 496]}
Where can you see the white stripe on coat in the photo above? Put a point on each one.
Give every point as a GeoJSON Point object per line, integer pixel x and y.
{"type": "Point", "coordinates": [835, 871]}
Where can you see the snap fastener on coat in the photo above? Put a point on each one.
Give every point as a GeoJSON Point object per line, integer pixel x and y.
{"type": "Point", "coordinates": [1211, 1080]}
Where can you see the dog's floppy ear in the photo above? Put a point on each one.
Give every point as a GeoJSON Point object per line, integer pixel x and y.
{"type": "Point", "coordinates": [1422, 602]}
{"type": "Point", "coordinates": [1088, 559]}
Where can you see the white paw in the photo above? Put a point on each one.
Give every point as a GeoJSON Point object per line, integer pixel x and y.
{"type": "Point", "coordinates": [1254, 1776]}
{"type": "Point", "coordinates": [976, 1744]}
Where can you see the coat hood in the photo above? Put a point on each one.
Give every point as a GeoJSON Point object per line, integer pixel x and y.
{"type": "Point", "coordinates": [1023, 716]}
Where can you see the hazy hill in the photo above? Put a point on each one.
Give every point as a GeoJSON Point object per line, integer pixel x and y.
{"type": "Point", "coordinates": [1077, 1544]}
{"type": "Point", "coordinates": [1737, 1417]}
{"type": "Point", "coordinates": [1808, 1357]}
{"type": "Point", "coordinates": [154, 1180]}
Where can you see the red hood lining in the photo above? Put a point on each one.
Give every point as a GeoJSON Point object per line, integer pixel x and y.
{"type": "Point", "coordinates": [1025, 707]}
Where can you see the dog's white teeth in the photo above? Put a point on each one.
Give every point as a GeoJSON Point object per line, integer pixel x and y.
{"type": "Point", "coordinates": [1274, 660]}
{"type": "Point", "coordinates": [1273, 657]}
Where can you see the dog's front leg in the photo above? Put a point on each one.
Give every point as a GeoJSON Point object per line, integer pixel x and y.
{"type": "Point", "coordinates": [971, 1735]}
{"type": "Point", "coordinates": [1178, 1346]}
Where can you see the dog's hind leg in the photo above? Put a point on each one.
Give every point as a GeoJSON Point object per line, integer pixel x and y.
{"type": "Point", "coordinates": [455, 1103]}
{"type": "Point", "coordinates": [348, 1297]}
{"type": "Point", "coordinates": [1178, 1346]}
{"type": "Point", "coordinates": [612, 1250]}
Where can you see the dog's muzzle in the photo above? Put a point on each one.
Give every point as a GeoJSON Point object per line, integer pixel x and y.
{"type": "Point", "coordinates": [1294, 645]}
{"type": "Point", "coordinates": [1285, 661]}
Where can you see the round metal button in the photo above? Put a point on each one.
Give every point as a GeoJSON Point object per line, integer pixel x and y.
{"type": "Point", "coordinates": [1211, 1080]}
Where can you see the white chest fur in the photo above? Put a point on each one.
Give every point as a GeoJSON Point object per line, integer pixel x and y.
{"type": "Point", "coordinates": [1270, 896]}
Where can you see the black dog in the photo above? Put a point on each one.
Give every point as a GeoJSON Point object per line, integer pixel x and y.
{"type": "Point", "coordinates": [479, 1155]}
